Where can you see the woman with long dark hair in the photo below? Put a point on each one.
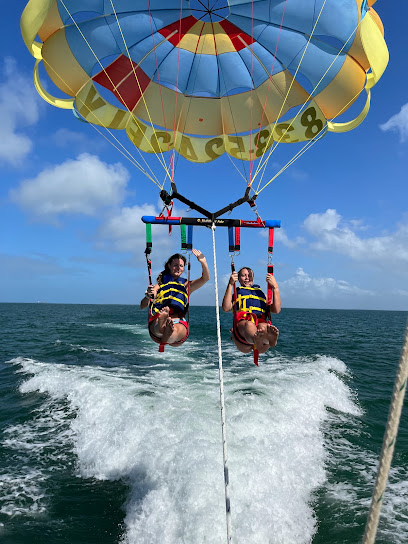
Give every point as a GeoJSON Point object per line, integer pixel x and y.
{"type": "Point", "coordinates": [168, 300]}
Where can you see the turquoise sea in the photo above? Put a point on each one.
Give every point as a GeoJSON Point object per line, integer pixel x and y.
{"type": "Point", "coordinates": [106, 441]}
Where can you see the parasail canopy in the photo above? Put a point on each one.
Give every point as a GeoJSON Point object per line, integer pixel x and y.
{"type": "Point", "coordinates": [204, 77]}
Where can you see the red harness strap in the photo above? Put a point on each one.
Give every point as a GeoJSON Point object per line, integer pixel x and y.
{"type": "Point", "coordinates": [256, 356]}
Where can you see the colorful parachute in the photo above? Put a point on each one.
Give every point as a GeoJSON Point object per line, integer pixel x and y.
{"type": "Point", "coordinates": [208, 76]}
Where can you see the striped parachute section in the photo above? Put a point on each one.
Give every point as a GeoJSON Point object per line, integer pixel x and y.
{"type": "Point", "coordinates": [204, 77]}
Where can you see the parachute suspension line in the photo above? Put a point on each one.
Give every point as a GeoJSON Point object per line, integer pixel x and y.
{"type": "Point", "coordinates": [291, 85]}
{"type": "Point", "coordinates": [110, 80]}
{"type": "Point", "coordinates": [175, 103]}
{"type": "Point", "coordinates": [256, 141]}
{"type": "Point", "coordinates": [263, 168]}
{"type": "Point", "coordinates": [190, 98]}
{"type": "Point", "coordinates": [141, 93]}
{"type": "Point", "coordinates": [160, 87]}
{"type": "Point", "coordinates": [251, 162]}
{"type": "Point", "coordinates": [390, 436]}
{"type": "Point", "coordinates": [305, 148]}
{"type": "Point", "coordinates": [130, 158]}
{"type": "Point", "coordinates": [127, 154]}
{"type": "Point", "coordinates": [239, 148]}
{"type": "Point", "coordinates": [222, 406]}
{"type": "Point", "coordinates": [236, 168]}
{"type": "Point", "coordinates": [302, 108]}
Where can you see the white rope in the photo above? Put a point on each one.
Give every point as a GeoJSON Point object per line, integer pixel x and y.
{"type": "Point", "coordinates": [387, 452]}
{"type": "Point", "coordinates": [221, 378]}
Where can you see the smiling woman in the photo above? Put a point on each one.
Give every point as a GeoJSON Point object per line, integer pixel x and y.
{"type": "Point", "coordinates": [168, 300]}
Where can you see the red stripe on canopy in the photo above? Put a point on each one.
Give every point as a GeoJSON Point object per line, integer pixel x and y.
{"type": "Point", "coordinates": [234, 34]}
{"type": "Point", "coordinates": [181, 26]}
{"type": "Point", "coordinates": [119, 77]}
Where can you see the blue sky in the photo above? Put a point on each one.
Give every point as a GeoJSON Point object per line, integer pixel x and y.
{"type": "Point", "coordinates": [71, 203]}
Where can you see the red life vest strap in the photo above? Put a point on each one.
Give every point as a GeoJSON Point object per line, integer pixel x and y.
{"type": "Point", "coordinates": [256, 356]}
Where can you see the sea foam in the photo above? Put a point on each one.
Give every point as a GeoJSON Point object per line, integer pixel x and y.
{"type": "Point", "coordinates": [161, 433]}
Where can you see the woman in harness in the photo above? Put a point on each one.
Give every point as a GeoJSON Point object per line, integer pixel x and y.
{"type": "Point", "coordinates": [252, 329]}
{"type": "Point", "coordinates": [168, 300]}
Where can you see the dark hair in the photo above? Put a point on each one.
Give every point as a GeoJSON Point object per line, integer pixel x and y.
{"type": "Point", "coordinates": [251, 272]}
{"type": "Point", "coordinates": [167, 264]}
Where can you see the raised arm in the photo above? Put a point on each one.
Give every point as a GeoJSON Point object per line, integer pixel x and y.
{"type": "Point", "coordinates": [227, 300]}
{"type": "Point", "coordinates": [276, 300]}
{"type": "Point", "coordinates": [205, 276]}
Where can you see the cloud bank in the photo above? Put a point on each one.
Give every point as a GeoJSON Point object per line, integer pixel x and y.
{"type": "Point", "coordinates": [19, 108]}
{"type": "Point", "coordinates": [334, 234]}
{"type": "Point", "coordinates": [398, 123]}
{"type": "Point", "coordinates": [84, 185]}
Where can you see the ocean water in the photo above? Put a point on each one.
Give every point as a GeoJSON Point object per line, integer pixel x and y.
{"type": "Point", "coordinates": [104, 440]}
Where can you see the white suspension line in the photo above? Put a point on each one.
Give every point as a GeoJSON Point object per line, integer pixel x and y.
{"type": "Point", "coordinates": [222, 406]}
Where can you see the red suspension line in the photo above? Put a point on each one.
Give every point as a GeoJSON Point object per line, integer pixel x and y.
{"type": "Point", "coordinates": [158, 75]}
{"type": "Point", "coordinates": [251, 161]}
{"type": "Point", "coordinates": [175, 106]}
{"type": "Point", "coordinates": [269, 81]}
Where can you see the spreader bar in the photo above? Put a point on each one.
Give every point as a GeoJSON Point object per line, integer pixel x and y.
{"type": "Point", "coordinates": [202, 221]}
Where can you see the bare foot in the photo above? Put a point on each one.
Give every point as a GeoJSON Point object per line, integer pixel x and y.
{"type": "Point", "coordinates": [168, 330]}
{"type": "Point", "coordinates": [162, 319]}
{"type": "Point", "coordinates": [261, 340]}
{"type": "Point", "coordinates": [273, 333]}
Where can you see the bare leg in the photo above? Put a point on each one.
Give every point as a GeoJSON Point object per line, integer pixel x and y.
{"type": "Point", "coordinates": [158, 325]}
{"type": "Point", "coordinates": [247, 330]}
{"type": "Point", "coordinates": [242, 347]}
{"type": "Point", "coordinates": [164, 328]}
{"type": "Point", "coordinates": [178, 332]}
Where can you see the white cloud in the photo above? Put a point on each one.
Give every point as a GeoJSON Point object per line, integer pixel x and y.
{"type": "Point", "coordinates": [84, 185]}
{"type": "Point", "coordinates": [320, 222]}
{"type": "Point", "coordinates": [19, 107]}
{"type": "Point", "coordinates": [282, 237]}
{"type": "Point", "coordinates": [80, 141]}
{"type": "Point", "coordinates": [336, 235]}
{"type": "Point", "coordinates": [400, 292]}
{"type": "Point", "coordinates": [293, 172]}
{"type": "Point", "coordinates": [223, 280]}
{"type": "Point", "coordinates": [297, 174]}
{"type": "Point", "coordinates": [125, 232]}
{"type": "Point", "coordinates": [303, 287]}
{"type": "Point", "coordinates": [22, 267]}
{"type": "Point", "coordinates": [398, 123]}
